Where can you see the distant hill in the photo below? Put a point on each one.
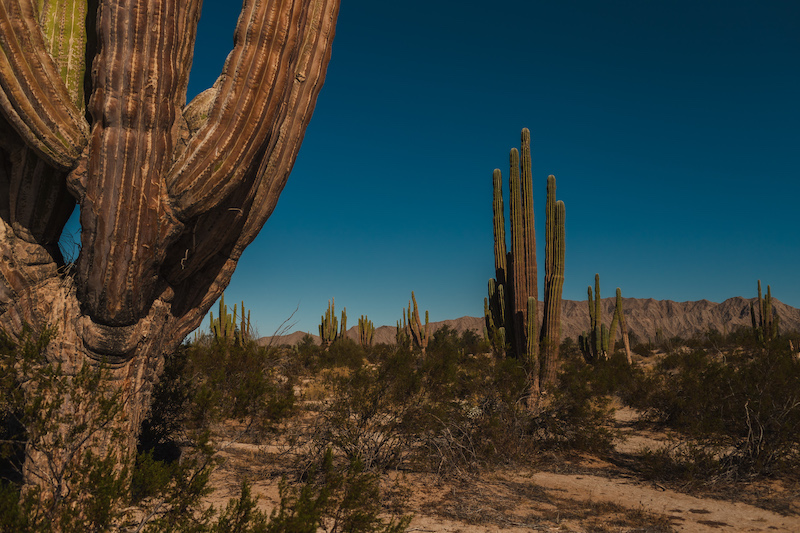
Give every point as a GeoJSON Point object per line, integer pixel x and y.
{"type": "Point", "coordinates": [643, 317]}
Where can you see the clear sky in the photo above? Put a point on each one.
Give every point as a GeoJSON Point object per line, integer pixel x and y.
{"type": "Point", "coordinates": [673, 129]}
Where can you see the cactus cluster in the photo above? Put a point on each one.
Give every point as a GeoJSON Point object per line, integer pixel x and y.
{"type": "Point", "coordinates": [366, 331]}
{"type": "Point", "coordinates": [412, 329]}
{"type": "Point", "coordinates": [598, 343]}
{"type": "Point", "coordinates": [225, 326]}
{"type": "Point", "coordinates": [329, 330]}
{"type": "Point", "coordinates": [766, 327]}
{"type": "Point", "coordinates": [512, 306]}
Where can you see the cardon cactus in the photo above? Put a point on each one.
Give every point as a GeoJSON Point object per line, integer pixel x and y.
{"type": "Point", "coordinates": [413, 327]}
{"type": "Point", "coordinates": [366, 331]}
{"type": "Point", "coordinates": [766, 327]}
{"type": "Point", "coordinates": [225, 326]}
{"type": "Point", "coordinates": [594, 344]}
{"type": "Point", "coordinates": [599, 342]}
{"type": "Point", "coordinates": [511, 320]}
{"type": "Point", "coordinates": [623, 328]}
{"type": "Point", "coordinates": [93, 110]}
{"type": "Point", "coordinates": [329, 325]}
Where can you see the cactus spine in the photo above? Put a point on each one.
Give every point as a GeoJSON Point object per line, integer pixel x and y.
{"type": "Point", "coordinates": [329, 326]}
{"type": "Point", "coordinates": [366, 330]}
{"type": "Point", "coordinates": [511, 320]}
{"type": "Point", "coordinates": [766, 328]}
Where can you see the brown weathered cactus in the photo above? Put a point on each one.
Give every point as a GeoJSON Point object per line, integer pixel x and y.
{"type": "Point", "coordinates": [169, 194]}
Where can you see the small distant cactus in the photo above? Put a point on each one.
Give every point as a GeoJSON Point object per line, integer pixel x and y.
{"type": "Point", "coordinates": [402, 336]}
{"type": "Point", "coordinates": [329, 330]}
{"type": "Point", "coordinates": [623, 327]}
{"type": "Point", "coordinates": [366, 330]}
{"type": "Point", "coordinates": [598, 343]}
{"type": "Point", "coordinates": [766, 327]}
{"type": "Point", "coordinates": [225, 326]}
{"type": "Point", "coordinates": [413, 328]}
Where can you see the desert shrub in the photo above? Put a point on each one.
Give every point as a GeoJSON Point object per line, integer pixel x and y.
{"type": "Point", "coordinates": [366, 416]}
{"type": "Point", "coordinates": [451, 410]}
{"type": "Point", "coordinates": [227, 381]}
{"type": "Point", "coordinates": [613, 376]}
{"type": "Point", "coordinates": [747, 402]}
{"type": "Point", "coordinates": [576, 415]}
{"type": "Point", "coordinates": [344, 352]}
{"type": "Point", "coordinates": [83, 490]}
{"type": "Point", "coordinates": [338, 498]}
{"type": "Point", "coordinates": [690, 463]}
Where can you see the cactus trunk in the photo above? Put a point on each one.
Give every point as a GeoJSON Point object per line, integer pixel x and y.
{"type": "Point", "coordinates": [553, 284]}
{"type": "Point", "coordinates": [509, 314]}
{"type": "Point", "coordinates": [170, 194]}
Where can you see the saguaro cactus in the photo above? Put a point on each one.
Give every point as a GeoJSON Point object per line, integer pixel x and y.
{"type": "Point", "coordinates": [230, 326]}
{"type": "Point", "coordinates": [599, 342]}
{"type": "Point", "coordinates": [329, 325]}
{"type": "Point", "coordinates": [366, 330]}
{"type": "Point", "coordinates": [511, 319]}
{"type": "Point", "coordinates": [623, 328]}
{"type": "Point", "coordinates": [592, 344]}
{"type": "Point", "coordinates": [169, 194]}
{"type": "Point", "coordinates": [413, 326]}
{"type": "Point", "coordinates": [766, 327]}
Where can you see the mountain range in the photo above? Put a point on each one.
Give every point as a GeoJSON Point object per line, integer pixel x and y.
{"type": "Point", "coordinates": [644, 317]}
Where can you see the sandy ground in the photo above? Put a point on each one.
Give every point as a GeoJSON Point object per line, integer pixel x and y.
{"type": "Point", "coordinates": [589, 496]}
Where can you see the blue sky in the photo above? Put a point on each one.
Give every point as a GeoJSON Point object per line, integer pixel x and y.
{"type": "Point", "coordinates": [673, 129]}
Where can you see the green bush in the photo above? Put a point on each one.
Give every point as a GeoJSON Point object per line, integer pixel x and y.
{"type": "Point", "coordinates": [747, 401]}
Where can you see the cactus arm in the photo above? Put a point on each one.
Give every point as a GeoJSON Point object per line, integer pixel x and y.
{"type": "Point", "coordinates": [612, 332]}
{"type": "Point", "coordinates": [64, 26]}
{"type": "Point", "coordinates": [499, 227]}
{"type": "Point", "coordinates": [529, 238]}
{"type": "Point", "coordinates": [532, 356]}
{"type": "Point", "coordinates": [622, 327]}
{"type": "Point", "coordinates": [520, 299]}
{"type": "Point", "coordinates": [598, 316]}
{"type": "Point", "coordinates": [33, 96]}
{"type": "Point", "coordinates": [768, 314]}
{"type": "Point", "coordinates": [550, 336]}
{"type": "Point", "coordinates": [273, 103]}
{"type": "Point", "coordinates": [592, 335]}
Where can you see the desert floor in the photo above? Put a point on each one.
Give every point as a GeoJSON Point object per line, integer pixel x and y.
{"type": "Point", "coordinates": [573, 494]}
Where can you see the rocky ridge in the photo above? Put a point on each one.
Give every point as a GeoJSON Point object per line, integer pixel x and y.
{"type": "Point", "coordinates": [644, 317]}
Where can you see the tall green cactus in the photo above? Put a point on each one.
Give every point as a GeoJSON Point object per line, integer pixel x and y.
{"type": "Point", "coordinates": [623, 328]}
{"type": "Point", "coordinates": [766, 328]}
{"type": "Point", "coordinates": [512, 324]}
{"type": "Point", "coordinates": [413, 327]}
{"type": "Point", "coordinates": [550, 337]}
{"type": "Point", "coordinates": [223, 326]}
{"type": "Point", "coordinates": [592, 344]}
{"type": "Point", "coordinates": [231, 327]}
{"type": "Point", "coordinates": [329, 330]}
{"type": "Point", "coordinates": [366, 331]}
{"type": "Point", "coordinates": [599, 342]}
